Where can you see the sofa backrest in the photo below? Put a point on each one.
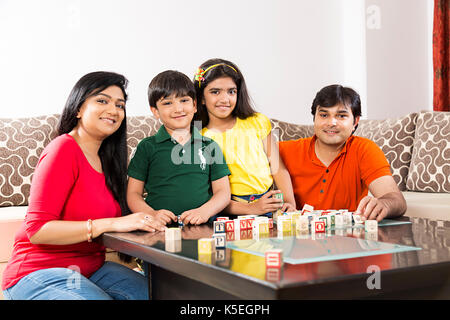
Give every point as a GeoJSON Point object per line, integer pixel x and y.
{"type": "Point", "coordinates": [23, 140]}
{"type": "Point", "coordinates": [419, 159]}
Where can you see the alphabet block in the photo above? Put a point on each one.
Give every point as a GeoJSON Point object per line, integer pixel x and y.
{"type": "Point", "coordinates": [274, 258]}
{"type": "Point", "coordinates": [172, 234]}
{"type": "Point", "coordinates": [229, 226]}
{"type": "Point", "coordinates": [219, 240]}
{"type": "Point", "coordinates": [205, 245]}
{"type": "Point", "coordinates": [371, 225]}
{"type": "Point", "coordinates": [219, 227]}
{"type": "Point", "coordinates": [319, 226]}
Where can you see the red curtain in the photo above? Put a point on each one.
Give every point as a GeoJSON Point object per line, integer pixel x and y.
{"type": "Point", "coordinates": [441, 55]}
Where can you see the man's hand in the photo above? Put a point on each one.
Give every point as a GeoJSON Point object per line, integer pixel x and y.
{"type": "Point", "coordinates": [372, 208]}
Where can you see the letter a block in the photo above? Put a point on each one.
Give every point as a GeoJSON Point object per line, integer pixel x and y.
{"type": "Point", "coordinates": [229, 226]}
{"type": "Point", "coordinates": [274, 258]}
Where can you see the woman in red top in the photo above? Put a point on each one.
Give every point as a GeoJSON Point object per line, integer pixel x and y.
{"type": "Point", "coordinates": [78, 192]}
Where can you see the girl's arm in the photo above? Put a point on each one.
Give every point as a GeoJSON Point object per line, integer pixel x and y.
{"type": "Point", "coordinates": [267, 203]}
{"type": "Point", "coordinates": [136, 202]}
{"type": "Point", "coordinates": [219, 200]}
{"type": "Point", "coordinates": [280, 174]}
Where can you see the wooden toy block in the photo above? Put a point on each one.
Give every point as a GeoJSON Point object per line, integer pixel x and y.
{"type": "Point", "coordinates": [222, 219]}
{"type": "Point", "coordinates": [339, 220]}
{"type": "Point", "coordinates": [173, 245]}
{"type": "Point", "coordinates": [371, 225]}
{"type": "Point", "coordinates": [173, 234]}
{"type": "Point", "coordinates": [219, 227]}
{"type": "Point", "coordinates": [347, 218]}
{"type": "Point", "coordinates": [237, 225]}
{"type": "Point", "coordinates": [278, 196]}
{"type": "Point", "coordinates": [229, 226]}
{"type": "Point", "coordinates": [325, 220]}
{"type": "Point", "coordinates": [274, 258]}
{"type": "Point", "coordinates": [357, 219]}
{"type": "Point", "coordinates": [261, 226]}
{"type": "Point", "coordinates": [242, 224]}
{"type": "Point", "coordinates": [319, 226]}
{"type": "Point", "coordinates": [284, 224]}
{"type": "Point", "coordinates": [250, 223]}
{"type": "Point", "coordinates": [307, 208]}
{"type": "Point", "coordinates": [205, 245]}
{"type": "Point", "coordinates": [302, 223]}
{"type": "Point", "coordinates": [219, 240]}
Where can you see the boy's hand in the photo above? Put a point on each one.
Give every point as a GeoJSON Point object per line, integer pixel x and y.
{"type": "Point", "coordinates": [267, 203]}
{"type": "Point", "coordinates": [195, 216]}
{"type": "Point", "coordinates": [164, 216]}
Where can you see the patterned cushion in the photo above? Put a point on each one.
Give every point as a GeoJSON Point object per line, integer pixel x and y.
{"type": "Point", "coordinates": [395, 137]}
{"type": "Point", "coordinates": [138, 128]}
{"type": "Point", "coordinates": [21, 144]}
{"type": "Point", "coordinates": [430, 163]}
{"type": "Point", "coordinates": [23, 140]}
{"type": "Point", "coordinates": [284, 131]}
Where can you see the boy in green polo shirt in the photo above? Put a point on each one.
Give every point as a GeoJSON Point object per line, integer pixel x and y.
{"type": "Point", "coordinates": [184, 173]}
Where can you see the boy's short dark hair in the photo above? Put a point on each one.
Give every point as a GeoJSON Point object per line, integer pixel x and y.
{"type": "Point", "coordinates": [167, 83]}
{"type": "Point", "coordinates": [335, 94]}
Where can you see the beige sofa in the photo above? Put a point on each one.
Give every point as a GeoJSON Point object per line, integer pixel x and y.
{"type": "Point", "coordinates": [417, 146]}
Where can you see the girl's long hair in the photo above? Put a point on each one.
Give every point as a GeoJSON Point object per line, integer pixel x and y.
{"type": "Point", "coordinates": [113, 150]}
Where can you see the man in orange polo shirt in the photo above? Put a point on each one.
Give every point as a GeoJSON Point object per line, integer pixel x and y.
{"type": "Point", "coordinates": [334, 169]}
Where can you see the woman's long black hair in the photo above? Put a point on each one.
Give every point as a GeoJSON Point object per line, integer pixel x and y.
{"type": "Point", "coordinates": [113, 151]}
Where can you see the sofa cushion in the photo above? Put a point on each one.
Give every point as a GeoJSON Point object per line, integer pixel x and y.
{"type": "Point", "coordinates": [138, 128]}
{"type": "Point", "coordinates": [430, 163]}
{"type": "Point", "coordinates": [21, 144]}
{"type": "Point", "coordinates": [284, 131]}
{"type": "Point", "coordinates": [427, 205]}
{"type": "Point", "coordinates": [395, 137]}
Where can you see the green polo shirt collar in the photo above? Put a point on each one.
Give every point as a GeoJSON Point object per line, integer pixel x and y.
{"type": "Point", "coordinates": [162, 134]}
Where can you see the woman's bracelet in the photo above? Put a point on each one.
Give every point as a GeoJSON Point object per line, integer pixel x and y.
{"type": "Point", "coordinates": [89, 228]}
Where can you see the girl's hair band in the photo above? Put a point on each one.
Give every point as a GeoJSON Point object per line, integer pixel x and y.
{"type": "Point", "coordinates": [199, 75]}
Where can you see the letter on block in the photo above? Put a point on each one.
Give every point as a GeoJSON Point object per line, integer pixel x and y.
{"type": "Point", "coordinates": [371, 225]}
{"type": "Point", "coordinates": [319, 226]}
{"type": "Point", "coordinates": [219, 227]}
{"type": "Point", "coordinates": [274, 258]}
{"type": "Point", "coordinates": [205, 245]}
{"type": "Point", "coordinates": [219, 240]}
{"type": "Point", "coordinates": [229, 226]}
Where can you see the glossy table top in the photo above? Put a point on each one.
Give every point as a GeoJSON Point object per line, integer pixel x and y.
{"type": "Point", "coordinates": [433, 237]}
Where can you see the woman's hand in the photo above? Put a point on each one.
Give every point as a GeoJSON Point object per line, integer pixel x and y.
{"type": "Point", "coordinates": [137, 221]}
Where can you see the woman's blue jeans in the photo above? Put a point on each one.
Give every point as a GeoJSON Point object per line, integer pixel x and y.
{"type": "Point", "coordinates": [112, 281]}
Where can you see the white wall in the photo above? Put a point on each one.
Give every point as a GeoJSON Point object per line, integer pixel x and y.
{"type": "Point", "coordinates": [399, 57]}
{"type": "Point", "coordinates": [287, 49]}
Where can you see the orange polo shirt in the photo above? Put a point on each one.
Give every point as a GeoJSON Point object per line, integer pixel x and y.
{"type": "Point", "coordinates": [343, 183]}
